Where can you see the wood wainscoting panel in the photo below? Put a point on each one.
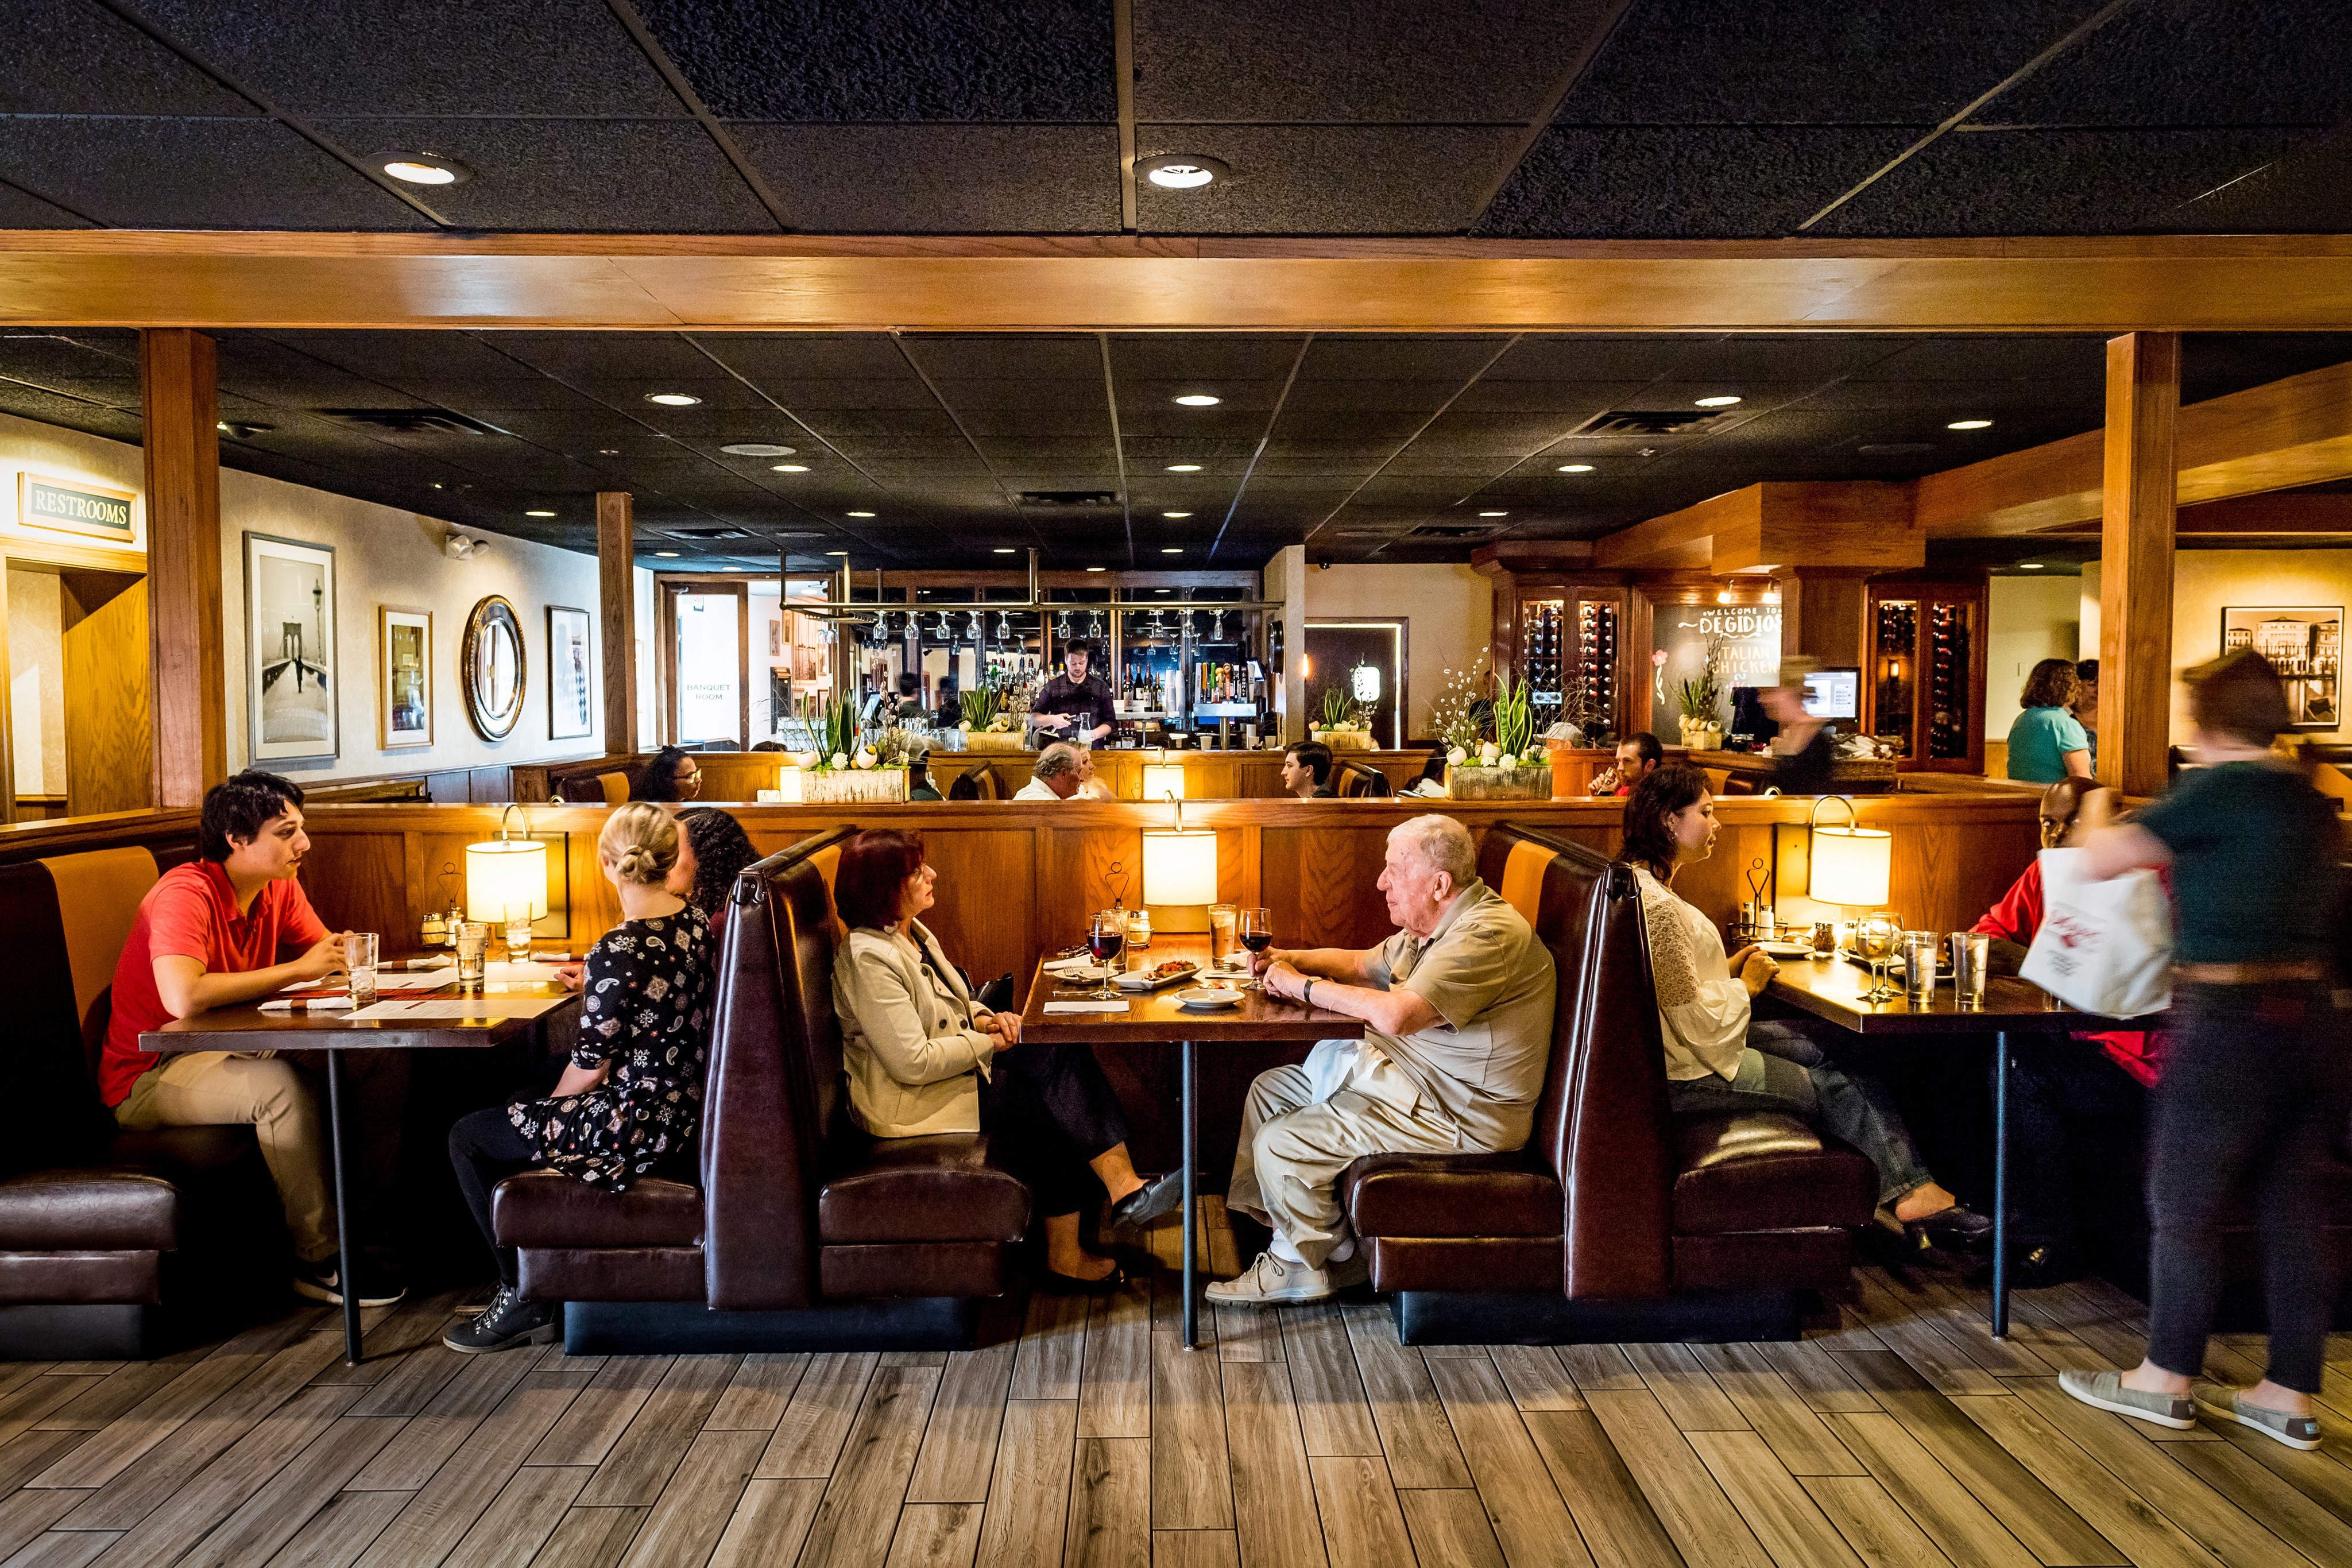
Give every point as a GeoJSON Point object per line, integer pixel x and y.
{"type": "Point", "coordinates": [109, 728]}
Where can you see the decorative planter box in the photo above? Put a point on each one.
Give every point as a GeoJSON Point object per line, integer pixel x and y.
{"type": "Point", "coordinates": [870, 786]}
{"type": "Point", "coordinates": [1702, 736]}
{"type": "Point", "coordinates": [994, 740]}
{"type": "Point", "coordinates": [1344, 740]}
{"type": "Point", "coordinates": [1527, 781]}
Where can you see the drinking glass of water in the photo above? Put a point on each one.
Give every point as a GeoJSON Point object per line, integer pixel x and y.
{"type": "Point", "coordinates": [360, 961]}
{"type": "Point", "coordinates": [473, 954]}
{"type": "Point", "coordinates": [519, 937]}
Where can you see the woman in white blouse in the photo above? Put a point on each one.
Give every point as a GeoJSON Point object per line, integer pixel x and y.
{"type": "Point", "coordinates": [923, 1057]}
{"type": "Point", "coordinates": [1722, 1060]}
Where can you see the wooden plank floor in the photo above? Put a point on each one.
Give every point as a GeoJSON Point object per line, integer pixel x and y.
{"type": "Point", "coordinates": [1087, 1434]}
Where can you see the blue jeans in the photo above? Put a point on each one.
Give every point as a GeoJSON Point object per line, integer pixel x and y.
{"type": "Point", "coordinates": [1853, 1106]}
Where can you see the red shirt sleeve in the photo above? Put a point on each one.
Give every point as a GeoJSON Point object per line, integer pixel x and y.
{"type": "Point", "coordinates": [179, 923]}
{"type": "Point", "coordinates": [299, 926]}
{"type": "Point", "coordinates": [2018, 915]}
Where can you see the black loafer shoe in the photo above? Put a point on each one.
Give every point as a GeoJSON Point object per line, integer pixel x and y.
{"type": "Point", "coordinates": [1161, 1195]}
{"type": "Point", "coordinates": [2034, 1268]}
{"type": "Point", "coordinates": [1055, 1284]}
{"type": "Point", "coordinates": [1958, 1229]}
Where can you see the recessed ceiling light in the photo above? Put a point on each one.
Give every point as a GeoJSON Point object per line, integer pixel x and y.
{"type": "Point", "coordinates": [1494, 514]}
{"type": "Point", "coordinates": [666, 554]}
{"type": "Point", "coordinates": [1181, 170]}
{"type": "Point", "coordinates": [424, 168]}
{"type": "Point", "coordinates": [1183, 467]}
{"type": "Point", "coordinates": [608, 451]}
{"type": "Point", "coordinates": [1160, 590]}
{"type": "Point", "coordinates": [1172, 549]}
{"type": "Point", "coordinates": [788, 468]}
{"type": "Point", "coordinates": [756, 449]}
{"type": "Point", "coordinates": [539, 514]}
{"type": "Point", "coordinates": [673, 400]}
{"type": "Point", "coordinates": [861, 514]}
{"type": "Point", "coordinates": [1006, 549]}
{"type": "Point", "coordinates": [1198, 400]}
{"type": "Point", "coordinates": [836, 552]}
{"type": "Point", "coordinates": [1723, 402]}
{"type": "Point", "coordinates": [1969, 424]}
{"type": "Point", "coordinates": [1175, 514]}
{"type": "Point", "coordinates": [2028, 566]}
{"type": "Point", "coordinates": [1098, 569]}
{"type": "Point", "coordinates": [1576, 469]}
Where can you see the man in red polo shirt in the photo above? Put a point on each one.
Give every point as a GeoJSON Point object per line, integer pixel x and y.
{"type": "Point", "coordinates": [227, 928]}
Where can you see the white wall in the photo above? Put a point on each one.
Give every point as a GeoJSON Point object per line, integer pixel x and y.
{"type": "Point", "coordinates": [1449, 612]}
{"type": "Point", "coordinates": [37, 704]}
{"type": "Point", "coordinates": [2030, 619]}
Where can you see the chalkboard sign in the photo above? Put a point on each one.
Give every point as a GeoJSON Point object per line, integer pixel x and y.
{"type": "Point", "coordinates": [1746, 639]}
{"type": "Point", "coordinates": [73, 508]}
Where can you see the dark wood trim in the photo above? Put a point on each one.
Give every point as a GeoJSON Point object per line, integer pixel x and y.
{"type": "Point", "coordinates": [187, 669]}
{"type": "Point", "coordinates": [617, 606]}
{"type": "Point", "coordinates": [2136, 546]}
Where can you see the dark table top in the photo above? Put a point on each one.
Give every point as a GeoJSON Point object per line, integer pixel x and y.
{"type": "Point", "coordinates": [1831, 988]}
{"type": "Point", "coordinates": [250, 1028]}
{"type": "Point", "coordinates": [1157, 1015]}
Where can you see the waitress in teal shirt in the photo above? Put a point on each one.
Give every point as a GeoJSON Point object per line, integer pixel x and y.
{"type": "Point", "coordinates": [2046, 743]}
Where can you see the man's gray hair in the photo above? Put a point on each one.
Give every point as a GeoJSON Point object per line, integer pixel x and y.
{"type": "Point", "coordinates": [1442, 843]}
{"type": "Point", "coordinates": [1056, 760]}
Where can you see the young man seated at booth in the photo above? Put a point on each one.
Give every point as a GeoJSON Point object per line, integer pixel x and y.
{"type": "Point", "coordinates": [2056, 1079]}
{"type": "Point", "coordinates": [1459, 1005]}
{"type": "Point", "coordinates": [227, 928]}
{"type": "Point", "coordinates": [1307, 772]}
{"type": "Point", "coordinates": [1638, 756]}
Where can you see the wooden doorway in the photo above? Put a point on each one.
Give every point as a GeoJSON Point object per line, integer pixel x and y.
{"type": "Point", "coordinates": [1367, 659]}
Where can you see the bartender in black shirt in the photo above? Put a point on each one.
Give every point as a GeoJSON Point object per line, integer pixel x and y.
{"type": "Point", "coordinates": [1805, 748]}
{"type": "Point", "coordinates": [1074, 706]}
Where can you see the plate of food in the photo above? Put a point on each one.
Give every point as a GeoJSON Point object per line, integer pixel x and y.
{"type": "Point", "coordinates": [1170, 973]}
{"type": "Point", "coordinates": [1209, 996]}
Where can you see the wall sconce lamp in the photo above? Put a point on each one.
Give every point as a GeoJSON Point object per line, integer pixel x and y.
{"type": "Point", "coordinates": [506, 873]}
{"type": "Point", "coordinates": [1851, 865]}
{"type": "Point", "coordinates": [1180, 867]}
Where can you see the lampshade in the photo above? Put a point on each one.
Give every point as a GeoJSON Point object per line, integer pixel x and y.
{"type": "Point", "coordinates": [1162, 780]}
{"type": "Point", "coordinates": [789, 782]}
{"type": "Point", "coordinates": [1180, 867]}
{"type": "Point", "coordinates": [505, 874]}
{"type": "Point", "coordinates": [1850, 865]}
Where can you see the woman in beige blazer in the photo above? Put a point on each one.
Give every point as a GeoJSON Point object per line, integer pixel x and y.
{"type": "Point", "coordinates": [923, 1057]}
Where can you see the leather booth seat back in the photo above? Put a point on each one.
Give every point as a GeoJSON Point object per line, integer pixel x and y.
{"type": "Point", "coordinates": [616, 788]}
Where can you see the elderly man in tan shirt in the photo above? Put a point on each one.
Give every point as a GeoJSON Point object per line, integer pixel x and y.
{"type": "Point", "coordinates": [1459, 1006]}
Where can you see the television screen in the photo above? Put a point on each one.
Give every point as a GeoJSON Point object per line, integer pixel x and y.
{"type": "Point", "coordinates": [1834, 693]}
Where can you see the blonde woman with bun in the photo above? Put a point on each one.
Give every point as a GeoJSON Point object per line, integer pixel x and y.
{"type": "Point", "coordinates": [630, 1100]}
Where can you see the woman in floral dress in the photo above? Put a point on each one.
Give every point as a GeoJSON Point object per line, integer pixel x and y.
{"type": "Point", "coordinates": [631, 1099]}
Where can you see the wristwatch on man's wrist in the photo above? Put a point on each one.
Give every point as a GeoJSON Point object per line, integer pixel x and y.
{"type": "Point", "coordinates": [1306, 991]}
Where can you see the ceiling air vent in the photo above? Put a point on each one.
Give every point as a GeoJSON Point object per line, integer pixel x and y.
{"type": "Point", "coordinates": [1451, 531]}
{"type": "Point", "coordinates": [1896, 448]}
{"type": "Point", "coordinates": [1069, 497]}
{"type": "Point", "coordinates": [708, 536]}
{"type": "Point", "coordinates": [411, 421]}
{"type": "Point", "coordinates": [1645, 422]}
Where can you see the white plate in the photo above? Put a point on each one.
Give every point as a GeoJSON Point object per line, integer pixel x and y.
{"type": "Point", "coordinates": [1089, 973]}
{"type": "Point", "coordinates": [1215, 974]}
{"type": "Point", "coordinates": [1788, 949]}
{"type": "Point", "coordinates": [1206, 996]}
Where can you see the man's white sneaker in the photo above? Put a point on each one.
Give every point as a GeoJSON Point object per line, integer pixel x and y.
{"type": "Point", "coordinates": [1270, 1282]}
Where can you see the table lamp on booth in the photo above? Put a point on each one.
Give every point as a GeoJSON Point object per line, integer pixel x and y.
{"type": "Point", "coordinates": [506, 873]}
{"type": "Point", "coordinates": [1163, 781]}
{"type": "Point", "coordinates": [1850, 864]}
{"type": "Point", "coordinates": [1180, 867]}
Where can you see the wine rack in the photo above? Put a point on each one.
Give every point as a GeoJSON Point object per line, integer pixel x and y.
{"type": "Point", "coordinates": [1926, 675]}
{"type": "Point", "coordinates": [1949, 643]}
{"type": "Point", "coordinates": [1894, 674]}
{"type": "Point", "coordinates": [1542, 625]}
{"type": "Point", "coordinates": [1596, 645]}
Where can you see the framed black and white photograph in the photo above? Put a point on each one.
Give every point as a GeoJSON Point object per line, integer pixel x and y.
{"type": "Point", "coordinates": [403, 652]}
{"type": "Point", "coordinates": [2305, 644]}
{"type": "Point", "coordinates": [289, 662]}
{"type": "Point", "coordinates": [571, 682]}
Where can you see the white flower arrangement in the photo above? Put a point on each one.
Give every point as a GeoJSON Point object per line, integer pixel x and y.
{"type": "Point", "coordinates": [840, 760]}
{"type": "Point", "coordinates": [1457, 756]}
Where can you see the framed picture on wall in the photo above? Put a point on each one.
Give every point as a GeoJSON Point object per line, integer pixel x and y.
{"type": "Point", "coordinates": [403, 697]}
{"type": "Point", "coordinates": [2305, 644]}
{"type": "Point", "coordinates": [570, 685]}
{"type": "Point", "coordinates": [289, 650]}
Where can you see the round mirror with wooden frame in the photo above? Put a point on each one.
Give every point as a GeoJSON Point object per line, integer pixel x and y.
{"type": "Point", "coordinates": [494, 668]}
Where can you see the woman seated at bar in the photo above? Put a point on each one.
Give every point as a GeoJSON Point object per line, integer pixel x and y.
{"type": "Point", "coordinates": [922, 1057]}
{"type": "Point", "coordinates": [631, 1099]}
{"type": "Point", "coordinates": [1721, 1060]}
{"type": "Point", "coordinates": [2055, 1080]}
{"type": "Point", "coordinates": [669, 775]}
{"type": "Point", "coordinates": [2045, 742]}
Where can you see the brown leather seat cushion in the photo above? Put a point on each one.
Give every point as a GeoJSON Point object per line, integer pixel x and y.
{"type": "Point", "coordinates": [184, 1151]}
{"type": "Point", "coordinates": [80, 1279]}
{"type": "Point", "coordinates": [1450, 1195]}
{"type": "Point", "coordinates": [1765, 1171]}
{"type": "Point", "coordinates": [937, 1189]}
{"type": "Point", "coordinates": [548, 1209]}
{"type": "Point", "coordinates": [99, 1210]}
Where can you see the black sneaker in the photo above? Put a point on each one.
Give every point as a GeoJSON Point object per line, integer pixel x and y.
{"type": "Point", "coordinates": [509, 1320]}
{"type": "Point", "coordinates": [323, 1282]}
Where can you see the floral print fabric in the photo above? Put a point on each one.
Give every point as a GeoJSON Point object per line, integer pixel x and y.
{"type": "Point", "coordinates": [644, 1009]}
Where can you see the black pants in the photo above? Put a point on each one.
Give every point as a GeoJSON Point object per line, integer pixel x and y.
{"type": "Point", "coordinates": [2252, 1097]}
{"type": "Point", "coordinates": [2054, 1080]}
{"type": "Point", "coordinates": [485, 1149]}
{"type": "Point", "coordinates": [1047, 1111]}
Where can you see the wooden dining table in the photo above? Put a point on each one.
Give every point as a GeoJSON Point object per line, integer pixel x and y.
{"type": "Point", "coordinates": [1833, 988]}
{"type": "Point", "coordinates": [1156, 1017]}
{"type": "Point", "coordinates": [252, 1028]}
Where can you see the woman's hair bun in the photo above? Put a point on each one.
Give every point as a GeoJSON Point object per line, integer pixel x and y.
{"type": "Point", "coordinates": [640, 840]}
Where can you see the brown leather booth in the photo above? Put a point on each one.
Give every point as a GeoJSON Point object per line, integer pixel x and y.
{"type": "Point", "coordinates": [1617, 1221]}
{"type": "Point", "coordinates": [113, 1244]}
{"type": "Point", "coordinates": [796, 1232]}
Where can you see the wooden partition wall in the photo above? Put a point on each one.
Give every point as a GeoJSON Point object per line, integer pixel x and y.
{"type": "Point", "coordinates": [1016, 881]}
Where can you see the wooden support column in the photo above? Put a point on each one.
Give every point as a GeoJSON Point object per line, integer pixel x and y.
{"type": "Point", "coordinates": [185, 660]}
{"type": "Point", "coordinates": [2137, 561]}
{"type": "Point", "coordinates": [1821, 614]}
{"type": "Point", "coordinates": [616, 599]}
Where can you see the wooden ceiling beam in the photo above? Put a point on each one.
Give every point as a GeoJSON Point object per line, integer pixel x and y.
{"type": "Point", "coordinates": [88, 278]}
{"type": "Point", "coordinates": [1863, 525]}
{"type": "Point", "coordinates": [2272, 516]}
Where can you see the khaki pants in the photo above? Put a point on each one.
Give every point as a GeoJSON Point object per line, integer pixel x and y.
{"type": "Point", "coordinates": [277, 1094]}
{"type": "Point", "coordinates": [1287, 1169]}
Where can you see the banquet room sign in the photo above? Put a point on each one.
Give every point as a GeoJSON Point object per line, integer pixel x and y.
{"type": "Point", "coordinates": [66, 508]}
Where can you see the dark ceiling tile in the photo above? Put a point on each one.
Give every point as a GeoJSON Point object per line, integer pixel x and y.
{"type": "Point", "coordinates": [2307, 190]}
{"type": "Point", "coordinates": [1069, 356]}
{"type": "Point", "coordinates": [424, 56]}
{"type": "Point", "coordinates": [893, 59]}
{"type": "Point", "coordinates": [1783, 62]}
{"type": "Point", "coordinates": [2189, 62]}
{"type": "Point", "coordinates": [2036, 359]}
{"type": "Point", "coordinates": [1566, 357]}
{"type": "Point", "coordinates": [79, 364]}
{"type": "Point", "coordinates": [589, 176]}
{"type": "Point", "coordinates": [194, 174]}
{"type": "Point", "coordinates": [71, 57]}
{"type": "Point", "coordinates": [1404, 61]}
{"type": "Point", "coordinates": [2213, 364]}
{"type": "Point", "coordinates": [1317, 179]}
{"type": "Point", "coordinates": [786, 357]}
{"type": "Point", "coordinates": [1713, 182]}
{"type": "Point", "coordinates": [2053, 181]}
{"type": "Point", "coordinates": [393, 356]}
{"type": "Point", "coordinates": [21, 209]}
{"type": "Point", "coordinates": [939, 179]}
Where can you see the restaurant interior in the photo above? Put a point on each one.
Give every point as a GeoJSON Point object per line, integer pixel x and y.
{"type": "Point", "coordinates": [775, 408]}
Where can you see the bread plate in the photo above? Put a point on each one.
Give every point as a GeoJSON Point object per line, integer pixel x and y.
{"type": "Point", "coordinates": [1206, 997]}
{"type": "Point", "coordinates": [1157, 979]}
